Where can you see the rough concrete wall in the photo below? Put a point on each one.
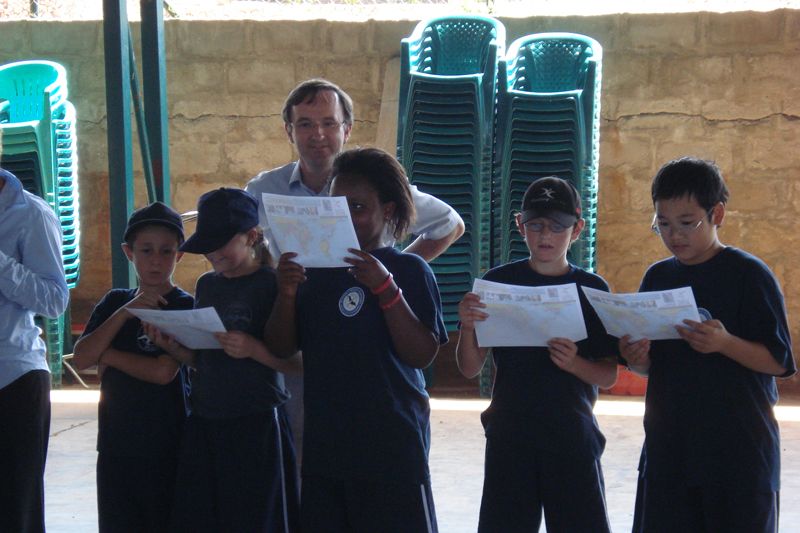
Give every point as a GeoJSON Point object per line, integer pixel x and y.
{"type": "Point", "coordinates": [719, 86]}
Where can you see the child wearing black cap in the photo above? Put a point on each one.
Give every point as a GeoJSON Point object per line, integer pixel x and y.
{"type": "Point", "coordinates": [543, 444]}
{"type": "Point", "coordinates": [237, 467]}
{"type": "Point", "coordinates": [141, 410]}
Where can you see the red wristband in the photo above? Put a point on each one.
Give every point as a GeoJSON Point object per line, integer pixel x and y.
{"type": "Point", "coordinates": [394, 300]}
{"type": "Point", "coordinates": [383, 286]}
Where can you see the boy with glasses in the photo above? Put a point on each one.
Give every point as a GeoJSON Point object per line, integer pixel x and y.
{"type": "Point", "coordinates": [711, 456]}
{"type": "Point", "coordinates": [543, 444]}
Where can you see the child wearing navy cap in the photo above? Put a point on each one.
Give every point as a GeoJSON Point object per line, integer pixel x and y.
{"type": "Point", "coordinates": [711, 456]}
{"type": "Point", "coordinates": [141, 409]}
{"type": "Point", "coordinates": [365, 333]}
{"type": "Point", "coordinates": [237, 461]}
{"type": "Point", "coordinates": [543, 444]}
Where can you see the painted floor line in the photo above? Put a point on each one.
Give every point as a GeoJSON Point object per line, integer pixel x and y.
{"type": "Point", "coordinates": [784, 413]}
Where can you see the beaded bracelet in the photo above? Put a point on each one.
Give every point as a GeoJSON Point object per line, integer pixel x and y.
{"type": "Point", "coordinates": [383, 286]}
{"type": "Point", "coordinates": [394, 300]}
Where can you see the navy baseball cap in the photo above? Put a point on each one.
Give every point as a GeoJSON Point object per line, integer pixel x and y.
{"type": "Point", "coordinates": [157, 213]}
{"type": "Point", "coordinates": [221, 214]}
{"type": "Point", "coordinates": [553, 198]}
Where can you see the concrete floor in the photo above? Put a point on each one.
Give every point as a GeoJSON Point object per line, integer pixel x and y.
{"type": "Point", "coordinates": [456, 462]}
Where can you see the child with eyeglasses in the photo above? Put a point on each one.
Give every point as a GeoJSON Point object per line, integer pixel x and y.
{"type": "Point", "coordinates": [711, 456]}
{"type": "Point", "coordinates": [543, 444]}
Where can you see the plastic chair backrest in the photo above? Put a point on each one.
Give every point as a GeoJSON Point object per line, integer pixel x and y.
{"type": "Point", "coordinates": [25, 84]}
{"type": "Point", "coordinates": [451, 46]}
{"type": "Point", "coordinates": [550, 62]}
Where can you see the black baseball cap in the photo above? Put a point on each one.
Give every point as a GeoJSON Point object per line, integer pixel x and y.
{"type": "Point", "coordinates": [554, 198]}
{"type": "Point", "coordinates": [157, 213]}
{"type": "Point", "coordinates": [221, 214]}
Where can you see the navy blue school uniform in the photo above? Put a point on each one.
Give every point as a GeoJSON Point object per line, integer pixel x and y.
{"type": "Point", "coordinates": [139, 428]}
{"type": "Point", "coordinates": [367, 415]}
{"type": "Point", "coordinates": [237, 463]}
{"type": "Point", "coordinates": [543, 444]}
{"type": "Point", "coordinates": [711, 457]}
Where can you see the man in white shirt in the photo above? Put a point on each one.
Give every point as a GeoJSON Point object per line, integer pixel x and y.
{"type": "Point", "coordinates": [318, 119]}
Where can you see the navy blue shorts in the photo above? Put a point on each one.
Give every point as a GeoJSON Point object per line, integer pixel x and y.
{"type": "Point", "coordinates": [522, 483]}
{"type": "Point", "coordinates": [237, 475]}
{"type": "Point", "coordinates": [135, 493]}
{"type": "Point", "coordinates": [666, 508]}
{"type": "Point", "coordinates": [361, 506]}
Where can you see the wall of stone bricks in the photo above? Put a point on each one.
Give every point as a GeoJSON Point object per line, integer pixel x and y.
{"type": "Point", "coordinates": [719, 86]}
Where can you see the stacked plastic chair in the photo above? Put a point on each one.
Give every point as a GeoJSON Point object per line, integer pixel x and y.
{"type": "Point", "coordinates": [446, 133]}
{"type": "Point", "coordinates": [40, 148]}
{"type": "Point", "coordinates": [547, 124]}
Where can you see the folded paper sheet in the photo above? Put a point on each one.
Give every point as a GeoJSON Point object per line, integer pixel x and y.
{"type": "Point", "coordinates": [644, 315]}
{"type": "Point", "coordinates": [528, 316]}
{"type": "Point", "coordinates": [194, 328]}
{"type": "Point", "coordinates": [318, 229]}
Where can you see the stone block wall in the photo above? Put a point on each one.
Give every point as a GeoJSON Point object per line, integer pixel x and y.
{"type": "Point", "coordinates": [719, 86]}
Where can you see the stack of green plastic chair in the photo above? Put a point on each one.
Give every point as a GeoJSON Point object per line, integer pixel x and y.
{"type": "Point", "coordinates": [54, 331]}
{"type": "Point", "coordinates": [446, 131]}
{"type": "Point", "coordinates": [34, 92]}
{"type": "Point", "coordinates": [66, 192]}
{"type": "Point", "coordinates": [39, 147]}
{"type": "Point", "coordinates": [547, 124]}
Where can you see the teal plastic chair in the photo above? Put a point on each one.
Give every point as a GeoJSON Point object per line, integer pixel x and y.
{"type": "Point", "coordinates": [66, 191]}
{"type": "Point", "coordinates": [53, 333]}
{"type": "Point", "coordinates": [446, 132]}
{"type": "Point", "coordinates": [23, 84]}
{"type": "Point", "coordinates": [451, 58]}
{"type": "Point", "coordinates": [547, 124]}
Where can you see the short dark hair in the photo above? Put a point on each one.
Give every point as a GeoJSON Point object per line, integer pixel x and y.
{"type": "Point", "coordinates": [308, 90]}
{"type": "Point", "coordinates": [690, 176]}
{"type": "Point", "coordinates": [384, 174]}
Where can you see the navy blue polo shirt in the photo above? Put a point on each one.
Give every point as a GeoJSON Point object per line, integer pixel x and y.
{"type": "Point", "coordinates": [224, 386]}
{"type": "Point", "coordinates": [533, 398]}
{"type": "Point", "coordinates": [708, 419]}
{"type": "Point", "coordinates": [137, 418]}
{"type": "Point", "coordinates": [366, 411]}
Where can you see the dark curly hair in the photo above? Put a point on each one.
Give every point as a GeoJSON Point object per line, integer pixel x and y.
{"type": "Point", "coordinates": [384, 174]}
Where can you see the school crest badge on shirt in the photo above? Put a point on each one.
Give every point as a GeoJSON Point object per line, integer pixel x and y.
{"type": "Point", "coordinates": [237, 316]}
{"type": "Point", "coordinates": [351, 301]}
{"type": "Point", "coordinates": [144, 343]}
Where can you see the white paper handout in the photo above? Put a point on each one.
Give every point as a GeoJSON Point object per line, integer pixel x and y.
{"type": "Point", "coordinates": [644, 315]}
{"type": "Point", "coordinates": [528, 316]}
{"type": "Point", "coordinates": [318, 229]}
{"type": "Point", "coordinates": [194, 328]}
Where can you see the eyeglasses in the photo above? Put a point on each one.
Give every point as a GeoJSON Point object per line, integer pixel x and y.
{"type": "Point", "coordinates": [538, 227]}
{"type": "Point", "coordinates": [308, 126]}
{"type": "Point", "coordinates": [684, 229]}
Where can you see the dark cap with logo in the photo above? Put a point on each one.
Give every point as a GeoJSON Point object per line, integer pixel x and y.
{"type": "Point", "coordinates": [158, 214]}
{"type": "Point", "coordinates": [221, 214]}
{"type": "Point", "coordinates": [553, 198]}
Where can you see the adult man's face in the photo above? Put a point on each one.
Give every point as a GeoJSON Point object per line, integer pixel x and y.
{"type": "Point", "coordinates": [318, 131]}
